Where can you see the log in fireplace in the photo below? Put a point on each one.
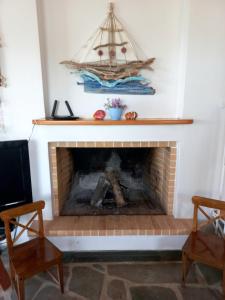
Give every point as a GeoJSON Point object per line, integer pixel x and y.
{"type": "Point", "coordinates": [101, 179]}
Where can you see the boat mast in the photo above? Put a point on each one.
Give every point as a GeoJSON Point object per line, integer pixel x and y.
{"type": "Point", "coordinates": [112, 48]}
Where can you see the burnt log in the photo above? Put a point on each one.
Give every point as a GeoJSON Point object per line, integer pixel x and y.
{"type": "Point", "coordinates": [112, 176]}
{"type": "Point", "coordinates": [100, 191]}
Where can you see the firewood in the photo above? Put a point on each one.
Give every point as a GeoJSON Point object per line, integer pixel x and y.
{"type": "Point", "coordinates": [113, 178]}
{"type": "Point", "coordinates": [100, 191]}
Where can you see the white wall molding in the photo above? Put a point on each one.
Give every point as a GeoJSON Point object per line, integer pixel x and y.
{"type": "Point", "coordinates": [119, 243]}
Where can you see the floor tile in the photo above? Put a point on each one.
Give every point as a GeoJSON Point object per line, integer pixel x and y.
{"type": "Point", "coordinates": [86, 282]}
{"type": "Point", "coordinates": [191, 293]}
{"type": "Point", "coordinates": [116, 290]}
{"type": "Point", "coordinates": [150, 273]}
{"type": "Point", "coordinates": [152, 293]}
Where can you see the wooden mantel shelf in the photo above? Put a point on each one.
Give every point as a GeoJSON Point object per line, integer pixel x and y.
{"type": "Point", "coordinates": [111, 122]}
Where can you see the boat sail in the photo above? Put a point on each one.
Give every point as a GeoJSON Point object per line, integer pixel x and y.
{"type": "Point", "coordinates": [109, 62]}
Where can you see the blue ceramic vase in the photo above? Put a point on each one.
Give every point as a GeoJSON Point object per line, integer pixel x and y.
{"type": "Point", "coordinates": [115, 113]}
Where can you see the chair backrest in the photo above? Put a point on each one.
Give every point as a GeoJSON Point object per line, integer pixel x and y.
{"type": "Point", "coordinates": [199, 204]}
{"type": "Point", "coordinates": [10, 215]}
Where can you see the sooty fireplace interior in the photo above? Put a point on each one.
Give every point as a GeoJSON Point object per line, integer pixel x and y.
{"type": "Point", "coordinates": [109, 181]}
{"type": "Point", "coordinates": [105, 181]}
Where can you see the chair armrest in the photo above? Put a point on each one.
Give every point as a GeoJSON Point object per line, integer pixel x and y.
{"type": "Point", "coordinates": [208, 202]}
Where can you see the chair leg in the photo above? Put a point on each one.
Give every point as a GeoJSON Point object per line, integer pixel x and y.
{"type": "Point", "coordinates": [60, 276]}
{"type": "Point", "coordinates": [20, 288]}
{"type": "Point", "coordinates": [186, 263]}
{"type": "Point", "coordinates": [223, 282]}
{"type": "Point", "coordinates": [12, 275]}
{"type": "Point", "coordinates": [4, 277]}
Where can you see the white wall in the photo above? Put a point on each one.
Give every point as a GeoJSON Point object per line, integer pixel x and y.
{"type": "Point", "coordinates": [23, 98]}
{"type": "Point", "coordinates": [188, 39]}
{"type": "Point", "coordinates": [204, 95]}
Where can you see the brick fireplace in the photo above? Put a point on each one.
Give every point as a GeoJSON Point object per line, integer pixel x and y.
{"type": "Point", "coordinates": [158, 170]}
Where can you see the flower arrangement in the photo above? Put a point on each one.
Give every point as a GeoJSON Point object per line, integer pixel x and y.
{"type": "Point", "coordinates": [115, 108]}
{"type": "Point", "coordinates": [114, 103]}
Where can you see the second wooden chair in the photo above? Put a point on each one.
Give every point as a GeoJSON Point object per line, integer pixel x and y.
{"type": "Point", "coordinates": [205, 247]}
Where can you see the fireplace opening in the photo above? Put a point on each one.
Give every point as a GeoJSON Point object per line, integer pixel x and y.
{"type": "Point", "coordinates": [111, 181]}
{"type": "Point", "coordinates": [108, 181]}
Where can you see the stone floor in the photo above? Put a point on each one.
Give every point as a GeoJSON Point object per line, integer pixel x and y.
{"type": "Point", "coordinates": [125, 281]}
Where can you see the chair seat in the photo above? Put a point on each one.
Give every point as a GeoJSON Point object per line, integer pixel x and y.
{"type": "Point", "coordinates": [34, 256]}
{"type": "Point", "coordinates": [205, 248]}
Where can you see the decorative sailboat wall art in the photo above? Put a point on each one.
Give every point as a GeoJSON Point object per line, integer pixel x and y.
{"type": "Point", "coordinates": [109, 62]}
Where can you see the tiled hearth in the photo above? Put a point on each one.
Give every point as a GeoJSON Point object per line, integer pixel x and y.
{"type": "Point", "coordinates": [116, 226]}
{"type": "Point", "coordinates": [163, 165]}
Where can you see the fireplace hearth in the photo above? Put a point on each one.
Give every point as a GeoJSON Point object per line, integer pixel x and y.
{"type": "Point", "coordinates": [125, 180]}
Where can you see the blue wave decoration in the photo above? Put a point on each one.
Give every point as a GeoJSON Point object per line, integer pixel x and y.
{"type": "Point", "coordinates": [133, 85]}
{"type": "Point", "coordinates": [110, 83]}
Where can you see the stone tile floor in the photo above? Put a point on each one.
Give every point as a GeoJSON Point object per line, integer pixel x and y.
{"type": "Point", "coordinates": [125, 281]}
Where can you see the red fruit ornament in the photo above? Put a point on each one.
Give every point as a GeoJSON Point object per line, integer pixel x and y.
{"type": "Point", "coordinates": [124, 50]}
{"type": "Point", "coordinates": [131, 115]}
{"type": "Point", "coordinates": [99, 115]}
{"type": "Point", "coordinates": [100, 52]}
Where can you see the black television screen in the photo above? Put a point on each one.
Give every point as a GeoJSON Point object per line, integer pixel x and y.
{"type": "Point", "coordinates": [15, 179]}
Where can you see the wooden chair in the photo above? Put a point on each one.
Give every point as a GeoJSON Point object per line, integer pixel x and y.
{"type": "Point", "coordinates": [29, 258]}
{"type": "Point", "coordinates": [203, 247]}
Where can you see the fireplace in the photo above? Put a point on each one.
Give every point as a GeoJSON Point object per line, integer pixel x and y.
{"type": "Point", "coordinates": [112, 178]}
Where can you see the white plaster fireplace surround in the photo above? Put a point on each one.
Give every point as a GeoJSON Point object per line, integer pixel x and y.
{"type": "Point", "coordinates": [186, 169]}
{"type": "Point", "coordinates": [181, 134]}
